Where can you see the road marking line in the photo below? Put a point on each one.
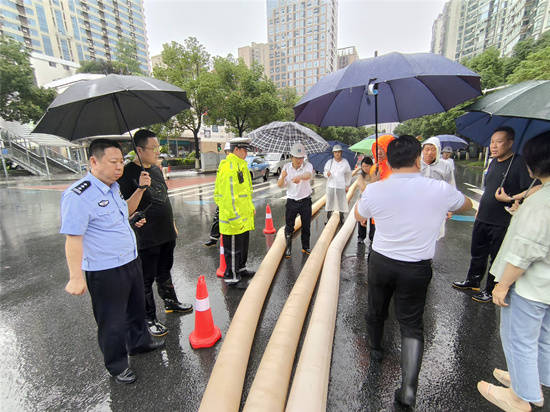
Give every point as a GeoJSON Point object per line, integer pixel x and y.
{"type": "Point", "coordinates": [476, 190]}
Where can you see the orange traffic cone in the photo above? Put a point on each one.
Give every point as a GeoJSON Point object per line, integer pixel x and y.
{"type": "Point", "coordinates": [206, 334]}
{"type": "Point", "coordinates": [269, 229]}
{"type": "Point", "coordinates": [221, 270]}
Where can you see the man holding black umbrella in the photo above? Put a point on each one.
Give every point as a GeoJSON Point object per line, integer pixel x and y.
{"type": "Point", "coordinates": [157, 239]}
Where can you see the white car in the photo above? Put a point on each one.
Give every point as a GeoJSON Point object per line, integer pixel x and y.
{"type": "Point", "coordinates": [276, 161]}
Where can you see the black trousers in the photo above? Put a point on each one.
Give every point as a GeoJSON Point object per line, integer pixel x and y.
{"type": "Point", "coordinates": [408, 283]}
{"type": "Point", "coordinates": [157, 263]}
{"type": "Point", "coordinates": [119, 311]}
{"type": "Point", "coordinates": [235, 251]}
{"type": "Point", "coordinates": [215, 228]}
{"type": "Point", "coordinates": [486, 241]}
{"type": "Point", "coordinates": [303, 208]}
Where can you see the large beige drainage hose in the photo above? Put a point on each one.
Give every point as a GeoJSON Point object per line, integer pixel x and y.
{"type": "Point", "coordinates": [270, 386]}
{"type": "Point", "coordinates": [310, 384]}
{"type": "Point", "coordinates": [224, 389]}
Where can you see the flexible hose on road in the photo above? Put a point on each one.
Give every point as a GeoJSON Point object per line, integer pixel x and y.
{"type": "Point", "coordinates": [270, 386]}
{"type": "Point", "coordinates": [310, 383]}
{"type": "Point", "coordinates": [224, 389]}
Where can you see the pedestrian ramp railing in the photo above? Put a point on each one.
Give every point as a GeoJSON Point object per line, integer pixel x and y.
{"type": "Point", "coordinates": [38, 159]}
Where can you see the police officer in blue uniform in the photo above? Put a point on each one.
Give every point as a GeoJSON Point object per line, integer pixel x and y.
{"type": "Point", "coordinates": [101, 244]}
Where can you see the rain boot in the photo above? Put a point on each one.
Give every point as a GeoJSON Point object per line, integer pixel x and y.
{"type": "Point", "coordinates": [288, 250]}
{"type": "Point", "coordinates": [472, 282]}
{"type": "Point", "coordinates": [329, 214]}
{"type": "Point", "coordinates": [375, 335]}
{"type": "Point", "coordinates": [171, 304]}
{"type": "Point", "coordinates": [411, 359]}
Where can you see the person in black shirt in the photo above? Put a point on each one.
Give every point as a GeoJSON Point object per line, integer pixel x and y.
{"type": "Point", "coordinates": [506, 174]}
{"type": "Point", "coordinates": [156, 240]}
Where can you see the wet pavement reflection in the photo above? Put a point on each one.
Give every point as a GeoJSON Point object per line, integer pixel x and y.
{"type": "Point", "coordinates": [50, 358]}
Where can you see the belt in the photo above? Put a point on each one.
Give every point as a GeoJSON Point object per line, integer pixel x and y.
{"type": "Point", "coordinates": [301, 200]}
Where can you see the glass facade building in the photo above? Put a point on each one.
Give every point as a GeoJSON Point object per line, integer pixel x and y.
{"type": "Point", "coordinates": [302, 41]}
{"type": "Point", "coordinates": [76, 30]}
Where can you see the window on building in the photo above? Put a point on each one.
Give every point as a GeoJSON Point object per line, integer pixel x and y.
{"type": "Point", "coordinates": [59, 21]}
{"type": "Point", "coordinates": [65, 50]}
{"type": "Point", "coordinates": [47, 46]}
{"type": "Point", "coordinates": [42, 18]}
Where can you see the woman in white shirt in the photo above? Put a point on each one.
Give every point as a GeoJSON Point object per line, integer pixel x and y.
{"type": "Point", "coordinates": [338, 174]}
{"type": "Point", "coordinates": [522, 268]}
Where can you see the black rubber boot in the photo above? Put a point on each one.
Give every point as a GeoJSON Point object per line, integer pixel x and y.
{"type": "Point", "coordinates": [288, 250]}
{"type": "Point", "coordinates": [411, 359]}
{"type": "Point", "coordinates": [471, 283]}
{"type": "Point", "coordinates": [329, 214]}
{"type": "Point", "coordinates": [375, 335]}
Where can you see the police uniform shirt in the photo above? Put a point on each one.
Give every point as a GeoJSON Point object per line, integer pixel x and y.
{"type": "Point", "coordinates": [91, 209]}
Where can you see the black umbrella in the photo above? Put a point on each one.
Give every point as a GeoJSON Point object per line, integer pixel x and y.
{"type": "Point", "coordinates": [114, 104]}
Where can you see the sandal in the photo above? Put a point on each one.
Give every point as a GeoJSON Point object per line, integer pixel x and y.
{"type": "Point", "coordinates": [503, 377]}
{"type": "Point", "coordinates": [502, 397]}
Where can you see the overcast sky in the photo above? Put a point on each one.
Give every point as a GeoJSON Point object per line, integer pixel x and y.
{"type": "Point", "coordinates": [223, 26]}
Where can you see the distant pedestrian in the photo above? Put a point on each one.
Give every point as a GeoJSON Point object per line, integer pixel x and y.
{"type": "Point", "coordinates": [215, 227]}
{"type": "Point", "coordinates": [296, 177]}
{"type": "Point", "coordinates": [433, 167]}
{"type": "Point", "coordinates": [522, 269]}
{"type": "Point", "coordinates": [408, 209]}
{"type": "Point", "coordinates": [447, 155]}
{"type": "Point", "coordinates": [507, 173]}
{"type": "Point", "coordinates": [233, 195]}
{"type": "Point", "coordinates": [362, 181]}
{"type": "Point", "coordinates": [381, 170]}
{"type": "Point", "coordinates": [101, 244]}
{"type": "Point", "coordinates": [338, 174]}
{"type": "Point", "coordinates": [157, 239]}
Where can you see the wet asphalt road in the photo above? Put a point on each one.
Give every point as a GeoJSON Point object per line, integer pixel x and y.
{"type": "Point", "coordinates": [50, 359]}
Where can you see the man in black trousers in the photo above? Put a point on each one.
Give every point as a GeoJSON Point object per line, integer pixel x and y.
{"type": "Point", "coordinates": [506, 175]}
{"type": "Point", "coordinates": [409, 210]}
{"type": "Point", "coordinates": [157, 239]}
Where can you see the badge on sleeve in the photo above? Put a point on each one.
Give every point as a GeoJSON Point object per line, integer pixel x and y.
{"type": "Point", "coordinates": [81, 187]}
{"type": "Point", "coordinates": [103, 203]}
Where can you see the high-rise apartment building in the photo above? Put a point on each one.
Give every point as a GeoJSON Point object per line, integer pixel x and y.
{"type": "Point", "coordinates": [256, 52]}
{"type": "Point", "coordinates": [302, 41]}
{"type": "Point", "coordinates": [466, 28]}
{"type": "Point", "coordinates": [346, 56]}
{"type": "Point", "coordinates": [76, 30]}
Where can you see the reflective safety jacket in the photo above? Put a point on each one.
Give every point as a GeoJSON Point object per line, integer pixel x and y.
{"type": "Point", "coordinates": [233, 195]}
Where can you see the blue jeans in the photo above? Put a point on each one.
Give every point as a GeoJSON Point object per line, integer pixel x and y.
{"type": "Point", "coordinates": [525, 336]}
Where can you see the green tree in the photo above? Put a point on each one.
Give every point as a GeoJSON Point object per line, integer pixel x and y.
{"type": "Point", "coordinates": [126, 57]}
{"type": "Point", "coordinates": [101, 67]}
{"type": "Point", "coordinates": [535, 67]}
{"type": "Point", "coordinates": [20, 99]}
{"type": "Point", "coordinates": [187, 66]}
{"type": "Point", "coordinates": [247, 98]}
{"type": "Point", "coordinates": [347, 135]}
{"type": "Point", "coordinates": [490, 66]}
{"type": "Point", "coordinates": [126, 61]}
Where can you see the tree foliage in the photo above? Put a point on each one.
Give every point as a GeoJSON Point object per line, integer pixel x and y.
{"type": "Point", "coordinates": [347, 135]}
{"type": "Point", "coordinates": [20, 99]}
{"type": "Point", "coordinates": [248, 99]}
{"type": "Point", "coordinates": [489, 66]}
{"type": "Point", "coordinates": [126, 61]}
{"type": "Point", "coordinates": [187, 66]}
{"type": "Point", "coordinates": [535, 67]}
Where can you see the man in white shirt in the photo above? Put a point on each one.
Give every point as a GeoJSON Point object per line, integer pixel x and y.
{"type": "Point", "coordinates": [338, 174]}
{"type": "Point", "coordinates": [446, 155]}
{"type": "Point", "coordinates": [296, 177]}
{"type": "Point", "coordinates": [408, 209]}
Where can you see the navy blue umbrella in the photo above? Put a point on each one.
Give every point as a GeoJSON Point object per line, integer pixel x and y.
{"type": "Point", "coordinates": [318, 160]}
{"type": "Point", "coordinates": [390, 88]}
{"type": "Point", "coordinates": [479, 126]}
{"type": "Point", "coordinates": [452, 141]}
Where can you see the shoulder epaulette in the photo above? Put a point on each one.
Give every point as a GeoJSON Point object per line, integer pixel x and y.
{"type": "Point", "coordinates": [81, 187]}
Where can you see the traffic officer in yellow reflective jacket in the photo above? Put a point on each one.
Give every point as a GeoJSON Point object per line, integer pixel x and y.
{"type": "Point", "coordinates": [100, 242]}
{"type": "Point", "coordinates": [233, 195]}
